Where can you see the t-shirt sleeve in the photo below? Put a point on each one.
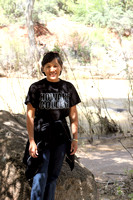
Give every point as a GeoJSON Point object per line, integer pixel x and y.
{"type": "Point", "coordinates": [31, 96]}
{"type": "Point", "coordinates": [74, 97]}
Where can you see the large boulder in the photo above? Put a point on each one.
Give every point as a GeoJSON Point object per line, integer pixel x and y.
{"type": "Point", "coordinates": [76, 185]}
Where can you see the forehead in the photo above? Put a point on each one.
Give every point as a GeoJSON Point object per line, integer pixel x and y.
{"type": "Point", "coordinates": [53, 62]}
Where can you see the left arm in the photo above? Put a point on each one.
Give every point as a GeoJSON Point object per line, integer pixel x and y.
{"type": "Point", "coordinates": [73, 116]}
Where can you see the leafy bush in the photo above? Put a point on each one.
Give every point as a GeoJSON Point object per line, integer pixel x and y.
{"type": "Point", "coordinates": [99, 13]}
{"type": "Point", "coordinates": [13, 10]}
{"type": "Point", "coordinates": [83, 46]}
{"type": "Point", "coordinates": [130, 196]}
{"type": "Point", "coordinates": [120, 20]}
{"type": "Point", "coordinates": [44, 10]}
{"type": "Point", "coordinates": [80, 47]}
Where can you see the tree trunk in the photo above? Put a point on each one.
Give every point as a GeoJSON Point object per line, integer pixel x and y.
{"type": "Point", "coordinates": [30, 26]}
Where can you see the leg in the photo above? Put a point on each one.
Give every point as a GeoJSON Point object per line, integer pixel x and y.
{"type": "Point", "coordinates": [56, 161]}
{"type": "Point", "coordinates": [40, 179]}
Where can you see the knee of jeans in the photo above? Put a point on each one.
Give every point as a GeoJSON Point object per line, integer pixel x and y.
{"type": "Point", "coordinates": [39, 180]}
{"type": "Point", "coordinates": [38, 185]}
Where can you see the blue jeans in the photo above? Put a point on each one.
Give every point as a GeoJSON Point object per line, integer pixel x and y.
{"type": "Point", "coordinates": [44, 182]}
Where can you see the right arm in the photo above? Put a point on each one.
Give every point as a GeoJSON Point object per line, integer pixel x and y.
{"type": "Point", "coordinates": [30, 128]}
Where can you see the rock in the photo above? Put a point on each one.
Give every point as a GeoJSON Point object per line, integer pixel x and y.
{"type": "Point", "coordinates": [76, 185]}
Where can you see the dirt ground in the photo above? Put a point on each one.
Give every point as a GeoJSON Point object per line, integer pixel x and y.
{"type": "Point", "coordinates": [111, 162]}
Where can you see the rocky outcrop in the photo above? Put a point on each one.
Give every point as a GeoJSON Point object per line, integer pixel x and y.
{"type": "Point", "coordinates": [76, 185]}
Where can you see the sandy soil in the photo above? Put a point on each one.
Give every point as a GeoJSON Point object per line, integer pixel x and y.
{"type": "Point", "coordinates": [109, 160]}
{"type": "Point", "coordinates": [111, 164]}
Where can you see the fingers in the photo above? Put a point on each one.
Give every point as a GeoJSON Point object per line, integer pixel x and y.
{"type": "Point", "coordinates": [74, 147]}
{"type": "Point", "coordinates": [34, 155]}
{"type": "Point", "coordinates": [37, 152]}
{"type": "Point", "coordinates": [33, 151]}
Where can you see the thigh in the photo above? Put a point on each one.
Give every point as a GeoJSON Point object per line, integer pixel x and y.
{"type": "Point", "coordinates": [46, 160]}
{"type": "Point", "coordinates": [40, 179]}
{"type": "Point", "coordinates": [56, 159]}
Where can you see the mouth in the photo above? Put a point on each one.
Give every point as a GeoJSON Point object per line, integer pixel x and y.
{"type": "Point", "coordinates": [52, 74]}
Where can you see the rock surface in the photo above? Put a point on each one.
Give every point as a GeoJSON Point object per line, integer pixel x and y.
{"type": "Point", "coordinates": [76, 185]}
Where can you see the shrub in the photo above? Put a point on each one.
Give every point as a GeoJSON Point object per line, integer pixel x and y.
{"type": "Point", "coordinates": [80, 47]}
{"type": "Point", "coordinates": [13, 10]}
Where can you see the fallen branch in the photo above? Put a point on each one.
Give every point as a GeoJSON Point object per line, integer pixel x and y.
{"type": "Point", "coordinates": [119, 174]}
{"type": "Point", "coordinates": [126, 149]}
{"type": "Point", "coordinates": [110, 182]}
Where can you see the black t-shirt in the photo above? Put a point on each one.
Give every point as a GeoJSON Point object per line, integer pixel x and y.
{"type": "Point", "coordinates": [52, 101]}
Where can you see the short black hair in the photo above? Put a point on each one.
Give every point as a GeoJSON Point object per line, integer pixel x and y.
{"type": "Point", "coordinates": [48, 57]}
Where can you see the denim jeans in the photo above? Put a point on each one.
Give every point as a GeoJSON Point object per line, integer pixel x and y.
{"type": "Point", "coordinates": [44, 182]}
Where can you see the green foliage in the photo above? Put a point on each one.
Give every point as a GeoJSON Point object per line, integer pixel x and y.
{"type": "Point", "coordinates": [119, 191]}
{"type": "Point", "coordinates": [44, 10]}
{"type": "Point", "coordinates": [57, 48]}
{"type": "Point", "coordinates": [83, 44]}
{"type": "Point", "coordinates": [12, 10]}
{"type": "Point", "coordinates": [81, 47]}
{"type": "Point", "coordinates": [3, 19]}
{"type": "Point", "coordinates": [130, 196]}
{"type": "Point", "coordinates": [130, 173]}
{"type": "Point", "coordinates": [100, 13]}
{"type": "Point", "coordinates": [97, 37]}
{"type": "Point", "coordinates": [119, 20]}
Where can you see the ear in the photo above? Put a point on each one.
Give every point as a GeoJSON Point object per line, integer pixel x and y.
{"type": "Point", "coordinates": [43, 71]}
{"type": "Point", "coordinates": [60, 72]}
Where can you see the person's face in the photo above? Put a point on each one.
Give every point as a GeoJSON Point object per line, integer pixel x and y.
{"type": "Point", "coordinates": [52, 70]}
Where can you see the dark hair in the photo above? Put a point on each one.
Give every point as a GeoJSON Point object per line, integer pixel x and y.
{"type": "Point", "coordinates": [48, 57]}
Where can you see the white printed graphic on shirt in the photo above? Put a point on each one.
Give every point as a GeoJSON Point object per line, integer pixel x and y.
{"type": "Point", "coordinates": [54, 101]}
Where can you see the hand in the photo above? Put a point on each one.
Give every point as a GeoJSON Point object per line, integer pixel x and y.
{"type": "Point", "coordinates": [33, 149]}
{"type": "Point", "coordinates": [74, 147]}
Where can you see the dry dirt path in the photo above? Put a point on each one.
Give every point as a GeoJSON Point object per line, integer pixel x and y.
{"type": "Point", "coordinates": [108, 160]}
{"type": "Point", "coordinates": [112, 166]}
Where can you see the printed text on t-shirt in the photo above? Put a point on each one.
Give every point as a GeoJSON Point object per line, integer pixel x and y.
{"type": "Point", "coordinates": [54, 100]}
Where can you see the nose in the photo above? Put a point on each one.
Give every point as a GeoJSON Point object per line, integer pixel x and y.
{"type": "Point", "coordinates": [52, 68]}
